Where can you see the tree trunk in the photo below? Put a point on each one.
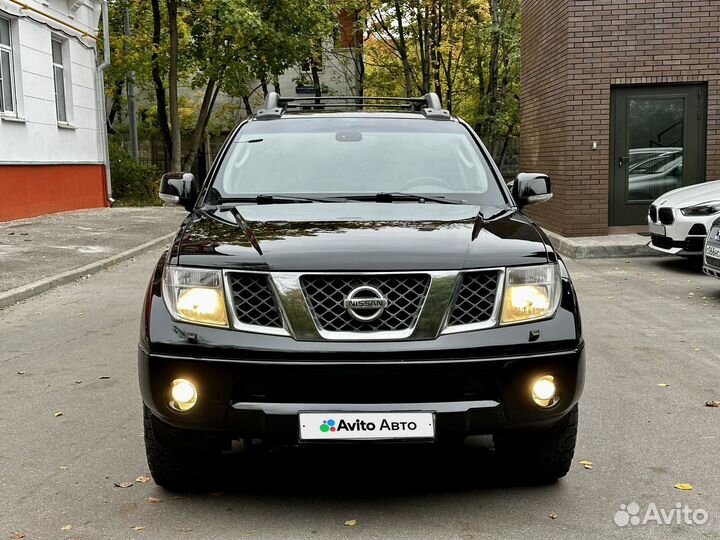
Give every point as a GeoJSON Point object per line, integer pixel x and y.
{"type": "Point", "coordinates": [203, 118]}
{"type": "Point", "coordinates": [176, 160]}
{"type": "Point", "coordinates": [158, 83]}
{"type": "Point", "coordinates": [402, 51]}
{"type": "Point", "coordinates": [248, 107]}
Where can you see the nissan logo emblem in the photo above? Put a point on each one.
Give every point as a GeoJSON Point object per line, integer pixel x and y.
{"type": "Point", "coordinates": [365, 303]}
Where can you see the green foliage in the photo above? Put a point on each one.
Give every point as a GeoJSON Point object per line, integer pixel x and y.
{"type": "Point", "coordinates": [134, 183]}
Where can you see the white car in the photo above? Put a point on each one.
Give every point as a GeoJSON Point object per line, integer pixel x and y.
{"type": "Point", "coordinates": [680, 219]}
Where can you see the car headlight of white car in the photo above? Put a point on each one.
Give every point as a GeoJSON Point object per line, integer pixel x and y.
{"type": "Point", "coordinates": [704, 209]}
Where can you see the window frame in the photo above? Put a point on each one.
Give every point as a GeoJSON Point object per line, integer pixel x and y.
{"type": "Point", "coordinates": [11, 76]}
{"type": "Point", "coordinates": [63, 67]}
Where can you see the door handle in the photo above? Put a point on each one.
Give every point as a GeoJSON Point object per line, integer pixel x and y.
{"type": "Point", "coordinates": [623, 160]}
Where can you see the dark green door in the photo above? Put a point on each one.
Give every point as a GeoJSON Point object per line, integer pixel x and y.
{"type": "Point", "coordinates": [658, 144]}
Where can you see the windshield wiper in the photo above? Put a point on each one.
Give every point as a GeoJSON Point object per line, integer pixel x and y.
{"type": "Point", "coordinates": [275, 199]}
{"type": "Point", "coordinates": [392, 196]}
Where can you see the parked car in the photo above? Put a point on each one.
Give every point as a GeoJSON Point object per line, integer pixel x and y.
{"type": "Point", "coordinates": [711, 256]}
{"type": "Point", "coordinates": [679, 220]}
{"type": "Point", "coordinates": [354, 276]}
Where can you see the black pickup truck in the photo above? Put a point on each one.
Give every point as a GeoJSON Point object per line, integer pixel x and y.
{"type": "Point", "coordinates": [356, 270]}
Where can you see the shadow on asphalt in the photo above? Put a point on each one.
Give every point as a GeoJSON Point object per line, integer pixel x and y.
{"type": "Point", "coordinates": [393, 470]}
{"type": "Point", "coordinates": [681, 265]}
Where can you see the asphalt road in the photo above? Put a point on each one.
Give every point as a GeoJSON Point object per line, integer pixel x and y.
{"type": "Point", "coordinates": [647, 322]}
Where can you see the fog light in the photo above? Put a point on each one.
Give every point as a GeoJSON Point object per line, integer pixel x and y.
{"type": "Point", "coordinates": [184, 394]}
{"type": "Point", "coordinates": [544, 391]}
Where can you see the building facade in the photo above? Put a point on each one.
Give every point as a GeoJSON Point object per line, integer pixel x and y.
{"type": "Point", "coordinates": [620, 103]}
{"type": "Point", "coordinates": [51, 125]}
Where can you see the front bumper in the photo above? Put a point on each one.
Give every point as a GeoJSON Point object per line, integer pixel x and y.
{"type": "Point", "coordinates": [246, 399]}
{"type": "Point", "coordinates": [685, 236]}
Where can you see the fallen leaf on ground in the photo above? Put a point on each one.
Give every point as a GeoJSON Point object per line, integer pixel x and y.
{"type": "Point", "coordinates": [64, 468]}
{"type": "Point", "coordinates": [663, 384]}
{"type": "Point", "coordinates": [153, 500]}
{"type": "Point", "coordinates": [103, 377]}
{"type": "Point", "coordinates": [138, 528]}
{"type": "Point", "coordinates": [713, 403]}
{"type": "Point", "coordinates": [66, 528]}
{"type": "Point", "coordinates": [22, 372]}
{"type": "Point", "coordinates": [585, 462]}
{"type": "Point", "coordinates": [18, 535]}
{"type": "Point", "coordinates": [78, 382]}
{"type": "Point", "coordinates": [552, 515]}
{"type": "Point", "coordinates": [123, 484]}
{"type": "Point", "coordinates": [683, 487]}
{"type": "Point", "coordinates": [143, 478]}
{"type": "Point", "coordinates": [351, 522]}
{"type": "Point", "coordinates": [185, 529]}
{"type": "Point", "coordinates": [59, 413]}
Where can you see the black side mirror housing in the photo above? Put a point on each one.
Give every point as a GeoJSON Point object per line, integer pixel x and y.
{"type": "Point", "coordinates": [531, 188]}
{"type": "Point", "coordinates": [179, 188]}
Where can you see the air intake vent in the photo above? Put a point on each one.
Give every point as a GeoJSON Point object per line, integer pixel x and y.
{"type": "Point", "coordinates": [253, 300]}
{"type": "Point", "coordinates": [475, 300]}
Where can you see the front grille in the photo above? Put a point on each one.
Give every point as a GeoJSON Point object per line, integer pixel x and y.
{"type": "Point", "coordinates": [405, 294]}
{"type": "Point", "coordinates": [253, 300]}
{"type": "Point", "coordinates": [666, 216]}
{"type": "Point", "coordinates": [475, 300]}
{"type": "Point", "coordinates": [653, 213]}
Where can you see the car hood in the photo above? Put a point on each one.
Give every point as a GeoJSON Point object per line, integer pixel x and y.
{"type": "Point", "coordinates": [358, 237]}
{"type": "Point", "coordinates": [690, 195]}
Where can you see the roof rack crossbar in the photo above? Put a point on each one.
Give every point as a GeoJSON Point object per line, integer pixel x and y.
{"type": "Point", "coordinates": [276, 105]}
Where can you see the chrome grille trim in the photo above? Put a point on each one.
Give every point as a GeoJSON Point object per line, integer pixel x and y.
{"type": "Point", "coordinates": [494, 317]}
{"type": "Point", "coordinates": [300, 323]}
{"type": "Point", "coordinates": [228, 276]}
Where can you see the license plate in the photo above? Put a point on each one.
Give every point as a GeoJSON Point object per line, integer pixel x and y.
{"type": "Point", "coordinates": [329, 426]}
{"type": "Point", "coordinates": [712, 251]}
{"type": "Point", "coordinates": [657, 229]}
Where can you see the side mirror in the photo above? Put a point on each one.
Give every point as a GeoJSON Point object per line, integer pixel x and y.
{"type": "Point", "coordinates": [179, 188]}
{"type": "Point", "coordinates": [531, 188]}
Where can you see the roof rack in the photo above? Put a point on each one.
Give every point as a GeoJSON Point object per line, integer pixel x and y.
{"type": "Point", "coordinates": [277, 105]}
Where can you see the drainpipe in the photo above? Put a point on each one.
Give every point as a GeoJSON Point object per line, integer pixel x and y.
{"type": "Point", "coordinates": [102, 105]}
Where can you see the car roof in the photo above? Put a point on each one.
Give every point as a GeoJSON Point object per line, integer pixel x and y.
{"type": "Point", "coordinates": [294, 115]}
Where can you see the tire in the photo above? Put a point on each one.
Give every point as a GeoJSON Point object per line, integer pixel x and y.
{"type": "Point", "coordinates": [173, 469]}
{"type": "Point", "coordinates": [540, 456]}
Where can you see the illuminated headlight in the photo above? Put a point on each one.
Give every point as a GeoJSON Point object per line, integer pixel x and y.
{"type": "Point", "coordinates": [705, 209]}
{"type": "Point", "coordinates": [195, 295]}
{"type": "Point", "coordinates": [531, 292]}
{"type": "Point", "coordinates": [544, 391]}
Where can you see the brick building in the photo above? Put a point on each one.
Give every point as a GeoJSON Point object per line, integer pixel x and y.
{"type": "Point", "coordinates": [620, 103]}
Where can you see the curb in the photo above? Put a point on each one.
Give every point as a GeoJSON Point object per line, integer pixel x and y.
{"type": "Point", "coordinates": [579, 250]}
{"type": "Point", "coordinates": [13, 296]}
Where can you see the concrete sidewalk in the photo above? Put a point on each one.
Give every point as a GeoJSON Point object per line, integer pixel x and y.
{"type": "Point", "coordinates": [601, 247]}
{"type": "Point", "coordinates": [40, 253]}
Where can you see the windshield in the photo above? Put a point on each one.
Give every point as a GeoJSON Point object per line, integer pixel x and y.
{"type": "Point", "coordinates": [356, 156]}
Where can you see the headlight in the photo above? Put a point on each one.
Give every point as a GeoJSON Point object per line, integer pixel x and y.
{"type": "Point", "coordinates": [195, 295]}
{"type": "Point", "coordinates": [704, 209]}
{"type": "Point", "coordinates": [531, 292]}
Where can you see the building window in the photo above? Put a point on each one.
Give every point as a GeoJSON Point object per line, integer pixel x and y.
{"type": "Point", "coordinates": [7, 87]}
{"type": "Point", "coordinates": [59, 76]}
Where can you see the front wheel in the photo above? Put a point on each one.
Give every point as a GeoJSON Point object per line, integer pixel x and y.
{"type": "Point", "coordinates": [542, 456]}
{"type": "Point", "coordinates": [174, 469]}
